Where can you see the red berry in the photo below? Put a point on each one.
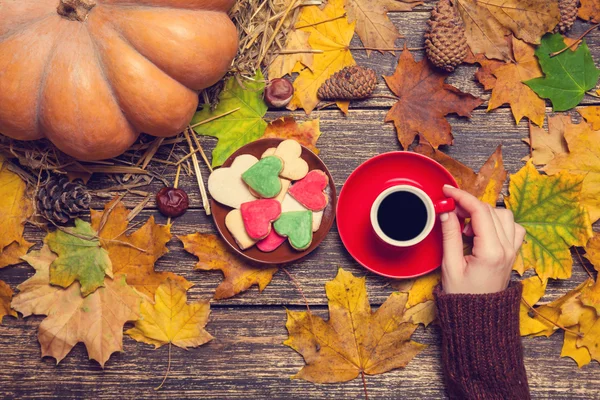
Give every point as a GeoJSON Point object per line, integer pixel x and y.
{"type": "Point", "coordinates": [172, 202]}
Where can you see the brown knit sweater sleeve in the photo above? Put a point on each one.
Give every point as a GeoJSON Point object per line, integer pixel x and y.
{"type": "Point", "coordinates": [481, 345]}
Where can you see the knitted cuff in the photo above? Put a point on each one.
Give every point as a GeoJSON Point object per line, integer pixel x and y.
{"type": "Point", "coordinates": [481, 344]}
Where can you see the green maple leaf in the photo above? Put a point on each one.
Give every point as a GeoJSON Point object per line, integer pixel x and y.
{"type": "Point", "coordinates": [240, 127]}
{"type": "Point", "coordinates": [567, 76]}
{"type": "Point", "coordinates": [548, 208]}
{"type": "Point", "coordinates": [80, 258]}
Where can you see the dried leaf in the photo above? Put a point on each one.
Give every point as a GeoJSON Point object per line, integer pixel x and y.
{"type": "Point", "coordinates": [580, 355]}
{"type": "Point", "coordinates": [533, 291]}
{"type": "Point", "coordinates": [582, 158]}
{"type": "Point", "coordinates": [567, 76]}
{"type": "Point", "coordinates": [171, 319]}
{"type": "Point", "coordinates": [485, 185]}
{"type": "Point", "coordinates": [546, 145]}
{"type": "Point", "coordinates": [485, 74]}
{"type": "Point", "coordinates": [488, 22]}
{"type": "Point", "coordinates": [134, 255]}
{"type": "Point", "coordinates": [422, 313]}
{"type": "Point", "coordinates": [354, 340]}
{"type": "Point", "coordinates": [510, 89]}
{"type": "Point", "coordinates": [306, 133]}
{"type": "Point", "coordinates": [6, 294]}
{"type": "Point", "coordinates": [12, 253]}
{"type": "Point", "coordinates": [422, 290]}
{"type": "Point", "coordinates": [590, 11]}
{"type": "Point", "coordinates": [592, 251]}
{"type": "Point", "coordinates": [548, 208]}
{"type": "Point", "coordinates": [15, 208]}
{"type": "Point", "coordinates": [213, 255]}
{"type": "Point", "coordinates": [80, 258]}
{"type": "Point", "coordinates": [96, 320]}
{"type": "Point", "coordinates": [330, 32]}
{"type": "Point", "coordinates": [296, 44]}
{"type": "Point", "coordinates": [424, 102]}
{"type": "Point", "coordinates": [373, 26]}
{"type": "Point", "coordinates": [591, 115]}
{"type": "Point", "coordinates": [240, 127]}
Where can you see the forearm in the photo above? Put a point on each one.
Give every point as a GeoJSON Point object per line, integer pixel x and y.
{"type": "Point", "coordinates": [481, 345]}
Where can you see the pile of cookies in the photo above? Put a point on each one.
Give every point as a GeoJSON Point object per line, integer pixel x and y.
{"type": "Point", "coordinates": [273, 199]}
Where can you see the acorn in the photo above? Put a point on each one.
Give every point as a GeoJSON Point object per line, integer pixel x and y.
{"type": "Point", "coordinates": [278, 93]}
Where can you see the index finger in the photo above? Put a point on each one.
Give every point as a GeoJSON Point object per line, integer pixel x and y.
{"type": "Point", "coordinates": [468, 206]}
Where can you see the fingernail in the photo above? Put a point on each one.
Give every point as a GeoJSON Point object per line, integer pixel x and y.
{"type": "Point", "coordinates": [444, 217]}
{"type": "Point", "coordinates": [449, 186]}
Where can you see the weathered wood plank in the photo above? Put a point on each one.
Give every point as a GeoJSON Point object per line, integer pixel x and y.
{"type": "Point", "coordinates": [247, 360]}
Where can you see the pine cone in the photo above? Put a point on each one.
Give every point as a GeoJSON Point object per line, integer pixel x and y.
{"type": "Point", "coordinates": [568, 14]}
{"type": "Point", "coordinates": [60, 201]}
{"type": "Point", "coordinates": [445, 40]}
{"type": "Point", "coordinates": [351, 83]}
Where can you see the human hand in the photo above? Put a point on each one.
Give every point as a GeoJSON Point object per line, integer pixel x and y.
{"type": "Point", "coordinates": [496, 240]}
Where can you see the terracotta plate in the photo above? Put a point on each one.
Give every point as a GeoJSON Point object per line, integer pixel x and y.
{"type": "Point", "coordinates": [285, 253]}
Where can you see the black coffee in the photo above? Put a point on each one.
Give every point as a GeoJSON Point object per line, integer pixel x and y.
{"type": "Point", "coordinates": [402, 216]}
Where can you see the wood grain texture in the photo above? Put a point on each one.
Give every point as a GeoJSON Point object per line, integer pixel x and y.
{"type": "Point", "coordinates": [247, 358]}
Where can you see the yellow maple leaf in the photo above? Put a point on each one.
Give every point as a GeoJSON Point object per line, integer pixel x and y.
{"type": "Point", "coordinates": [354, 341]}
{"type": "Point", "coordinates": [213, 255]}
{"type": "Point", "coordinates": [96, 320]}
{"type": "Point", "coordinates": [420, 305]}
{"type": "Point", "coordinates": [134, 255]}
{"type": "Point", "coordinates": [15, 209]}
{"type": "Point", "coordinates": [509, 87]}
{"type": "Point", "coordinates": [548, 208]}
{"type": "Point", "coordinates": [6, 294]}
{"type": "Point", "coordinates": [533, 290]}
{"type": "Point", "coordinates": [583, 158]}
{"type": "Point", "coordinates": [591, 115]}
{"type": "Point", "coordinates": [423, 313]}
{"type": "Point", "coordinates": [592, 251]}
{"type": "Point", "coordinates": [297, 50]}
{"type": "Point", "coordinates": [330, 32]}
{"type": "Point", "coordinates": [580, 355]}
{"type": "Point", "coordinates": [12, 253]}
{"type": "Point", "coordinates": [589, 325]}
{"type": "Point", "coordinates": [546, 145]}
{"type": "Point", "coordinates": [373, 26]}
{"type": "Point", "coordinates": [487, 23]}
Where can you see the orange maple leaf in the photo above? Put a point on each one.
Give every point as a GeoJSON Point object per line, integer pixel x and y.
{"type": "Point", "coordinates": [213, 255]}
{"type": "Point", "coordinates": [589, 11]}
{"type": "Point", "coordinates": [6, 294]}
{"type": "Point", "coordinates": [134, 255]}
{"type": "Point", "coordinates": [424, 102]}
{"type": "Point", "coordinates": [306, 133]}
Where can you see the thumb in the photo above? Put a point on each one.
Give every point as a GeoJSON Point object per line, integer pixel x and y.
{"type": "Point", "coordinates": [453, 260]}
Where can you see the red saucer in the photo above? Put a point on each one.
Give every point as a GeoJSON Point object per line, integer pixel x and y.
{"type": "Point", "coordinates": [354, 206]}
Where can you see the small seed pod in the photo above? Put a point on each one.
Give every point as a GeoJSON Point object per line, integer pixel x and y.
{"type": "Point", "coordinates": [278, 93]}
{"type": "Point", "coordinates": [172, 202]}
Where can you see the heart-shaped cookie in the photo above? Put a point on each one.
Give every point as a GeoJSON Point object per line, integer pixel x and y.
{"type": "Point", "coordinates": [310, 191]}
{"type": "Point", "coordinates": [235, 225]}
{"type": "Point", "coordinates": [258, 215]}
{"type": "Point", "coordinates": [297, 227]}
{"type": "Point", "coordinates": [271, 242]}
{"type": "Point", "coordinates": [285, 184]}
{"type": "Point", "coordinates": [226, 185]}
{"type": "Point", "coordinates": [290, 151]}
{"type": "Point", "coordinates": [263, 177]}
{"type": "Point", "coordinates": [291, 204]}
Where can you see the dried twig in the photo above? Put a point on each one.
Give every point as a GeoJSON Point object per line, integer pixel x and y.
{"type": "Point", "coordinates": [576, 42]}
{"type": "Point", "coordinates": [213, 118]}
{"type": "Point", "coordinates": [579, 334]}
{"type": "Point", "coordinates": [205, 202]}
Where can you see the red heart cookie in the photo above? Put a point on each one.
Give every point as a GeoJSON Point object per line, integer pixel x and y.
{"type": "Point", "coordinates": [309, 190]}
{"type": "Point", "coordinates": [258, 215]}
{"type": "Point", "coordinates": [271, 242]}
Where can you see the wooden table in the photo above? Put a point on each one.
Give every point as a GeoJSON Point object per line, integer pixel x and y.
{"type": "Point", "coordinates": [247, 358]}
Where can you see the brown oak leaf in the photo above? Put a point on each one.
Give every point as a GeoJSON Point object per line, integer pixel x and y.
{"type": "Point", "coordinates": [354, 341]}
{"type": "Point", "coordinates": [485, 185]}
{"type": "Point", "coordinates": [424, 101]}
{"type": "Point", "coordinates": [306, 133]}
{"type": "Point", "coordinates": [96, 320]}
{"type": "Point", "coordinates": [6, 294]}
{"type": "Point", "coordinates": [135, 254]}
{"type": "Point", "coordinates": [487, 23]}
{"type": "Point", "coordinates": [213, 255]}
{"type": "Point", "coordinates": [373, 26]}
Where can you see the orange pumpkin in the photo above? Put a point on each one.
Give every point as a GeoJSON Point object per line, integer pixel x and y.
{"type": "Point", "coordinates": [91, 75]}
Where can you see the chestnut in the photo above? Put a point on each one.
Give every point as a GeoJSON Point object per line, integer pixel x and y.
{"type": "Point", "coordinates": [278, 93]}
{"type": "Point", "coordinates": [172, 202]}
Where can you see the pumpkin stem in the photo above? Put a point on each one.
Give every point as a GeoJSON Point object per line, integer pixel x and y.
{"type": "Point", "coordinates": [75, 10]}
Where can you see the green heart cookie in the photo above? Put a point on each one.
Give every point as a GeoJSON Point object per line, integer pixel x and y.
{"type": "Point", "coordinates": [297, 226]}
{"type": "Point", "coordinates": [263, 177]}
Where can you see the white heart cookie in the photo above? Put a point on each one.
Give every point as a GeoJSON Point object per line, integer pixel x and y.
{"type": "Point", "coordinates": [235, 224]}
{"type": "Point", "coordinates": [291, 204]}
{"type": "Point", "coordinates": [290, 151]}
{"type": "Point", "coordinates": [226, 185]}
